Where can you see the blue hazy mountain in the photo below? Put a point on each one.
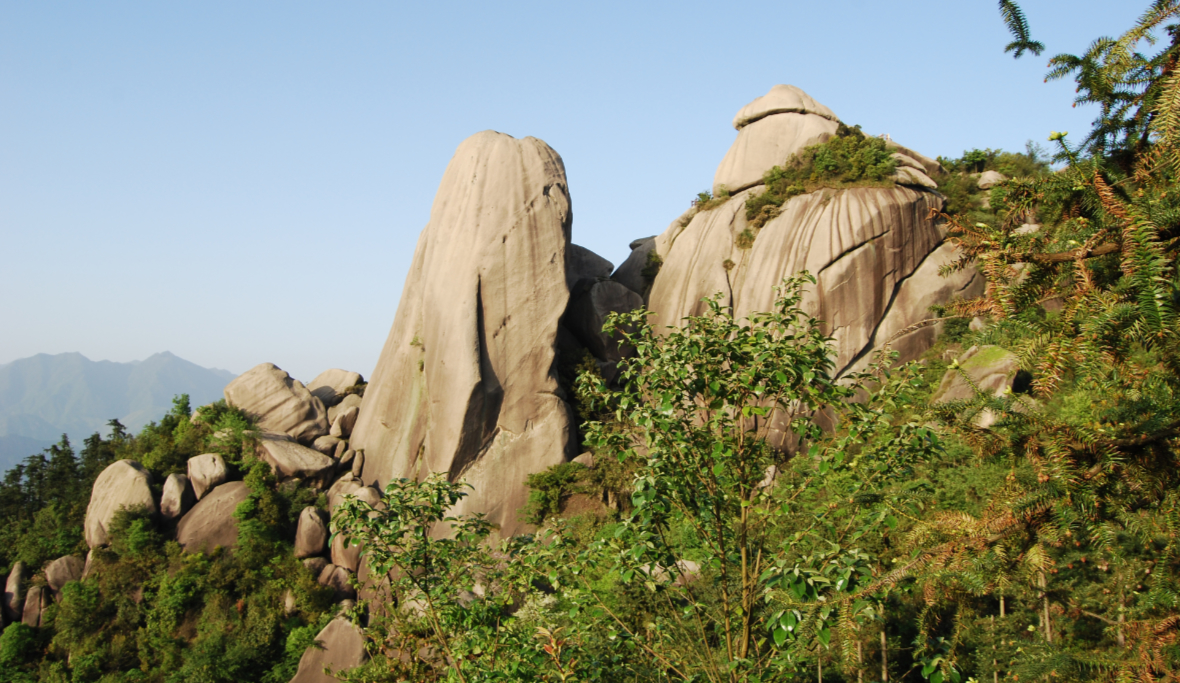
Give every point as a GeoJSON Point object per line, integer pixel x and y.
{"type": "Point", "coordinates": [45, 396]}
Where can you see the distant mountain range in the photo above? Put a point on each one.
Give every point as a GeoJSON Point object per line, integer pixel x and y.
{"type": "Point", "coordinates": [45, 396]}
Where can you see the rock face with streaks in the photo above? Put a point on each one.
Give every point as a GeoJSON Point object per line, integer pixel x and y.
{"type": "Point", "coordinates": [279, 402]}
{"type": "Point", "coordinates": [123, 484]}
{"type": "Point", "coordinates": [340, 646]}
{"type": "Point", "coordinates": [465, 383]}
{"type": "Point", "coordinates": [874, 251]}
{"type": "Point", "coordinates": [211, 522]}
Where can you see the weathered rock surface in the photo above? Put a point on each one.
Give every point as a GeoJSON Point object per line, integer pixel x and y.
{"type": "Point", "coordinates": [36, 602]}
{"type": "Point", "coordinates": [771, 129]}
{"type": "Point", "coordinates": [860, 244]}
{"type": "Point", "coordinates": [341, 487]}
{"type": "Point", "coordinates": [123, 484]}
{"type": "Point", "coordinates": [343, 424]}
{"type": "Point", "coordinates": [211, 522]}
{"type": "Point", "coordinates": [206, 471]}
{"type": "Point", "coordinates": [588, 311]}
{"type": "Point", "coordinates": [339, 647]}
{"type": "Point", "coordinates": [177, 496]}
{"type": "Point", "coordinates": [329, 386]}
{"type": "Point", "coordinates": [992, 368]}
{"type": "Point", "coordinates": [345, 554]}
{"type": "Point", "coordinates": [327, 445]}
{"type": "Point", "coordinates": [311, 534]}
{"type": "Point", "coordinates": [630, 272]}
{"type": "Point", "coordinates": [63, 570]}
{"type": "Point", "coordinates": [288, 459]}
{"type": "Point", "coordinates": [912, 301]}
{"type": "Point", "coordinates": [989, 179]}
{"type": "Point", "coordinates": [465, 382]}
{"type": "Point", "coordinates": [316, 565]}
{"type": "Point", "coordinates": [350, 401]}
{"type": "Point", "coordinates": [337, 578]}
{"type": "Point", "coordinates": [279, 402]}
{"type": "Point", "coordinates": [782, 99]}
{"type": "Point", "coordinates": [583, 264]}
{"type": "Point", "coordinates": [14, 592]}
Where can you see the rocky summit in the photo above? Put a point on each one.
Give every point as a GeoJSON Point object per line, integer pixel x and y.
{"type": "Point", "coordinates": [468, 382]}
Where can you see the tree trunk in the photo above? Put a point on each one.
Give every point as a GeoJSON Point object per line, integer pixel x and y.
{"type": "Point", "coordinates": [884, 646]}
{"type": "Point", "coordinates": [1045, 609]}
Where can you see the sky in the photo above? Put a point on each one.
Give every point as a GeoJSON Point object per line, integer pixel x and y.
{"type": "Point", "coordinates": [244, 182]}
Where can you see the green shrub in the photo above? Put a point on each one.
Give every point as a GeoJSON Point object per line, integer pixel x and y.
{"type": "Point", "coordinates": [652, 267]}
{"type": "Point", "coordinates": [850, 159]}
{"type": "Point", "coordinates": [549, 489]}
{"type": "Point", "coordinates": [19, 649]}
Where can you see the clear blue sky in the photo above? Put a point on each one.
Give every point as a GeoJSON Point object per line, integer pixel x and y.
{"type": "Point", "coordinates": [240, 182]}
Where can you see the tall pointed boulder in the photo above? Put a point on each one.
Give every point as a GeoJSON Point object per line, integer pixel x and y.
{"type": "Point", "coordinates": [465, 383]}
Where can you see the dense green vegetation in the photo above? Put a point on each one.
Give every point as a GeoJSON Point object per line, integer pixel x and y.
{"type": "Point", "coordinates": [748, 516]}
{"type": "Point", "coordinates": [147, 611]}
{"type": "Point", "coordinates": [907, 542]}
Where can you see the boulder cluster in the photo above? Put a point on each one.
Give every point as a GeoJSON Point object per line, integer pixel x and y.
{"type": "Point", "coordinates": [497, 298]}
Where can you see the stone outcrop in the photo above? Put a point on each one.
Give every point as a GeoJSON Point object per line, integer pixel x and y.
{"type": "Point", "coordinates": [630, 272]}
{"type": "Point", "coordinates": [205, 472]}
{"type": "Point", "coordinates": [279, 402]}
{"type": "Point", "coordinates": [177, 496]}
{"type": "Point", "coordinates": [862, 244]}
{"type": "Point", "coordinates": [329, 386]}
{"type": "Point", "coordinates": [991, 368]}
{"type": "Point", "coordinates": [588, 310]}
{"type": "Point", "coordinates": [465, 383]}
{"type": "Point", "coordinates": [311, 534]}
{"type": "Point", "coordinates": [123, 484]}
{"type": "Point", "coordinates": [771, 129]}
{"type": "Point", "coordinates": [345, 554]}
{"type": "Point", "coordinates": [349, 401]}
{"type": "Point", "coordinates": [211, 524]}
{"type": "Point", "coordinates": [36, 602]}
{"type": "Point", "coordinates": [14, 592]}
{"type": "Point", "coordinates": [339, 647]}
{"type": "Point", "coordinates": [288, 459]}
{"type": "Point", "coordinates": [989, 179]}
{"type": "Point", "coordinates": [343, 424]}
{"type": "Point", "coordinates": [583, 264]}
{"type": "Point", "coordinates": [62, 571]}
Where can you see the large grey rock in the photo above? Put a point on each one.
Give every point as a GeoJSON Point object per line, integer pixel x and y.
{"type": "Point", "coordinates": [288, 459]}
{"type": "Point", "coordinates": [14, 592]}
{"type": "Point", "coordinates": [327, 445]}
{"type": "Point", "coordinates": [773, 128]}
{"type": "Point", "coordinates": [630, 272]}
{"type": "Point", "coordinates": [992, 368]}
{"type": "Point", "coordinates": [177, 497]}
{"type": "Point", "coordinates": [205, 472]}
{"type": "Point", "coordinates": [279, 402]}
{"type": "Point", "coordinates": [36, 602]}
{"type": "Point", "coordinates": [343, 424]}
{"type": "Point", "coordinates": [989, 179]}
{"type": "Point", "coordinates": [339, 647]}
{"type": "Point", "coordinates": [329, 386]}
{"type": "Point", "coordinates": [465, 383]}
{"type": "Point", "coordinates": [911, 304]}
{"type": "Point", "coordinates": [62, 571]}
{"type": "Point", "coordinates": [583, 264]}
{"type": "Point", "coordinates": [588, 311]}
{"type": "Point", "coordinates": [123, 484]}
{"type": "Point", "coordinates": [345, 554]}
{"type": "Point", "coordinates": [316, 565]}
{"type": "Point", "coordinates": [341, 487]}
{"type": "Point", "coordinates": [782, 99]}
{"type": "Point", "coordinates": [860, 243]}
{"type": "Point", "coordinates": [350, 401]}
{"type": "Point", "coordinates": [211, 524]}
{"type": "Point", "coordinates": [311, 534]}
{"type": "Point", "coordinates": [338, 579]}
